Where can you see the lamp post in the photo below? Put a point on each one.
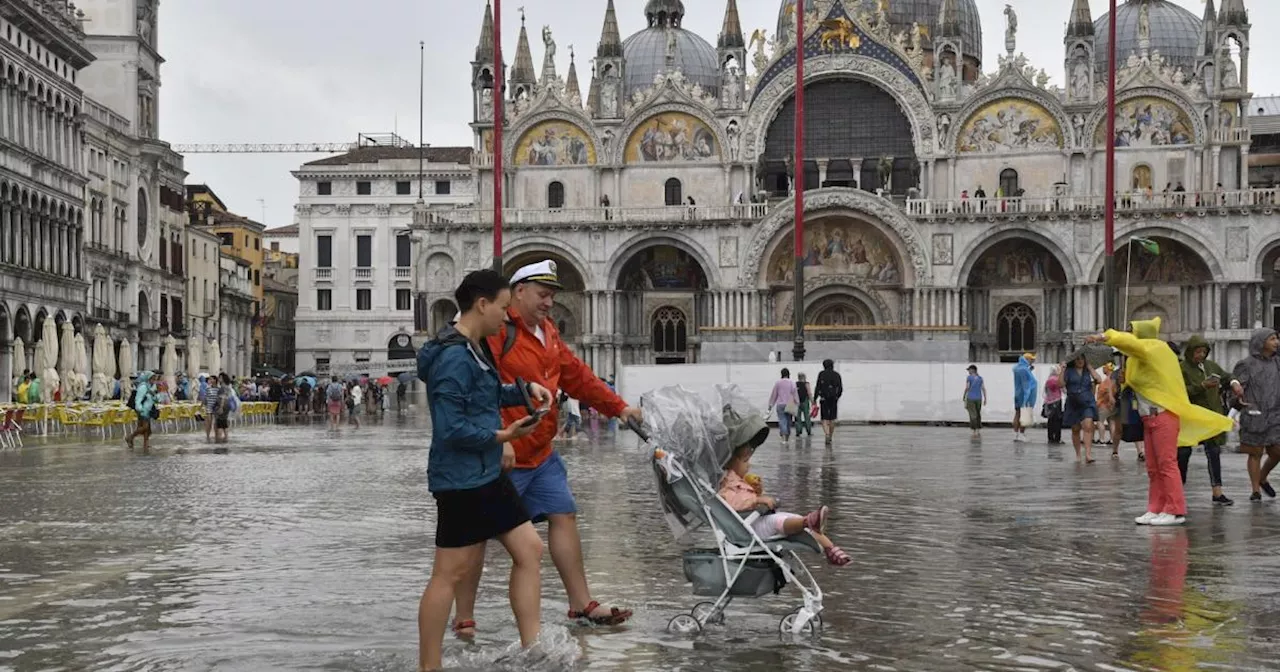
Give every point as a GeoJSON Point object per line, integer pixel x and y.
{"type": "Point", "coordinates": [1109, 263]}
{"type": "Point", "coordinates": [797, 312]}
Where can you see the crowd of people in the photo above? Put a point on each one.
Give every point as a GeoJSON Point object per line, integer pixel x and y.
{"type": "Point", "coordinates": [1167, 400]}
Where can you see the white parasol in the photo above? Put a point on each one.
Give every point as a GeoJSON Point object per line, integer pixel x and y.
{"type": "Point", "coordinates": [193, 357]}
{"type": "Point", "coordinates": [126, 369]}
{"type": "Point", "coordinates": [19, 357]}
{"type": "Point", "coordinates": [104, 364]}
{"type": "Point", "coordinates": [215, 359]}
{"type": "Point", "coordinates": [67, 360]}
{"type": "Point", "coordinates": [80, 369]}
{"type": "Point", "coordinates": [170, 363]}
{"type": "Point", "coordinates": [48, 364]}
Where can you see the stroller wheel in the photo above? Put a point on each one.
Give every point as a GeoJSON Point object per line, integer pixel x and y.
{"type": "Point", "coordinates": [684, 624]}
{"type": "Point", "coordinates": [810, 629]}
{"type": "Point", "coordinates": [703, 614]}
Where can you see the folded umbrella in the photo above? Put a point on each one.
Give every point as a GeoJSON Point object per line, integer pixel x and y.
{"type": "Point", "coordinates": [1096, 354]}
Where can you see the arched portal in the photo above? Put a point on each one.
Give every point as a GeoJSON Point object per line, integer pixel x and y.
{"type": "Point", "coordinates": [1157, 272]}
{"type": "Point", "coordinates": [442, 312]}
{"type": "Point", "coordinates": [839, 310]}
{"type": "Point", "coordinates": [1017, 291]}
{"type": "Point", "coordinates": [852, 152]}
{"type": "Point", "coordinates": [661, 281]}
{"type": "Point", "coordinates": [400, 346]}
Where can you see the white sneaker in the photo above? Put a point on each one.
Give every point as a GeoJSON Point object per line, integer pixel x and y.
{"type": "Point", "coordinates": [1166, 519]}
{"type": "Point", "coordinates": [1146, 518]}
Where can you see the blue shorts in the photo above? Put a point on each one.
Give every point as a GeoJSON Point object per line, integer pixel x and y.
{"type": "Point", "coordinates": [545, 489]}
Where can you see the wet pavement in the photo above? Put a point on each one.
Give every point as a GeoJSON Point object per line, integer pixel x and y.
{"type": "Point", "coordinates": [304, 550]}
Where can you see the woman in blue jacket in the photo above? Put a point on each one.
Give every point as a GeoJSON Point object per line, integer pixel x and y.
{"type": "Point", "coordinates": [467, 464]}
{"type": "Point", "coordinates": [1024, 393]}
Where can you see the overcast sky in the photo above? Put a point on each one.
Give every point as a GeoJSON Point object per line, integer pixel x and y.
{"type": "Point", "coordinates": [327, 70]}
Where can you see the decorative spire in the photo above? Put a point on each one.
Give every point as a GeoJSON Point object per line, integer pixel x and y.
{"type": "Point", "coordinates": [948, 20]}
{"type": "Point", "coordinates": [484, 50]}
{"type": "Point", "coordinates": [1233, 13]}
{"type": "Point", "coordinates": [610, 37]}
{"type": "Point", "coordinates": [523, 72]}
{"type": "Point", "coordinates": [731, 32]}
{"type": "Point", "coordinates": [1209, 34]}
{"type": "Point", "coordinates": [571, 89]}
{"type": "Point", "coordinates": [593, 96]}
{"type": "Point", "coordinates": [1081, 23]}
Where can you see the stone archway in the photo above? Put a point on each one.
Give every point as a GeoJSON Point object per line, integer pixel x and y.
{"type": "Point", "coordinates": [442, 313]}
{"type": "Point", "coordinates": [1152, 273]}
{"type": "Point", "coordinates": [570, 302]}
{"type": "Point", "coordinates": [653, 278]}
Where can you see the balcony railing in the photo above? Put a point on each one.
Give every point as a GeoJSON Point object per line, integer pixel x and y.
{"type": "Point", "coordinates": [1135, 202]}
{"type": "Point", "coordinates": [362, 273]}
{"type": "Point", "coordinates": [324, 274]}
{"type": "Point", "coordinates": [542, 216]}
{"type": "Point", "coordinates": [1233, 135]}
{"type": "Point", "coordinates": [100, 313]}
{"type": "Point", "coordinates": [404, 273]}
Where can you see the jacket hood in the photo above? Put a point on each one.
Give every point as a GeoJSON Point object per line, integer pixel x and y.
{"type": "Point", "coordinates": [1023, 363]}
{"type": "Point", "coordinates": [1146, 328]}
{"type": "Point", "coordinates": [449, 336]}
{"type": "Point", "coordinates": [1256, 342]}
{"type": "Point", "coordinates": [144, 377]}
{"type": "Point", "coordinates": [1196, 341]}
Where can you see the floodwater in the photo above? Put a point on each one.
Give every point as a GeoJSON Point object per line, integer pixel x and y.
{"type": "Point", "coordinates": [304, 550]}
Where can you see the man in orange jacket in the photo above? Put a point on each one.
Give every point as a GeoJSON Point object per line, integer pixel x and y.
{"type": "Point", "coordinates": [531, 348]}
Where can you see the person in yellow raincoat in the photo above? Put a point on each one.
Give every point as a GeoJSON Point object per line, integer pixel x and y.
{"type": "Point", "coordinates": [1168, 416]}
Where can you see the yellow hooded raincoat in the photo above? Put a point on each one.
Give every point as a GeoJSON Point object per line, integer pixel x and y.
{"type": "Point", "coordinates": [1154, 372]}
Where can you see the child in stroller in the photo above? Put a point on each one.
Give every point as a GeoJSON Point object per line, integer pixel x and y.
{"type": "Point", "coordinates": [745, 493]}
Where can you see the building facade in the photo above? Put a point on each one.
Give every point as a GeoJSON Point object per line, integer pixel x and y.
{"type": "Point", "coordinates": [953, 210]}
{"type": "Point", "coordinates": [282, 239]}
{"type": "Point", "coordinates": [43, 55]}
{"type": "Point", "coordinates": [203, 266]}
{"type": "Point", "coordinates": [356, 284]}
{"type": "Point", "coordinates": [137, 244]}
{"type": "Point", "coordinates": [239, 238]}
{"type": "Point", "coordinates": [236, 301]}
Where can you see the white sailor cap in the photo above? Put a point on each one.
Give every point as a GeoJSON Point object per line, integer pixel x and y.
{"type": "Point", "coordinates": [543, 273]}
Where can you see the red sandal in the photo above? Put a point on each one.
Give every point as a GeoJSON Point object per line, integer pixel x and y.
{"type": "Point", "coordinates": [616, 616]}
{"type": "Point", "coordinates": [459, 626]}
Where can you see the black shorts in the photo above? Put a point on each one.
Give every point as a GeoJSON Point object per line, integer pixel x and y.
{"type": "Point", "coordinates": [220, 422]}
{"type": "Point", "coordinates": [827, 409]}
{"type": "Point", "coordinates": [468, 517]}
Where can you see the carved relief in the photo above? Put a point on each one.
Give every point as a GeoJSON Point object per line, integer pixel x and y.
{"type": "Point", "coordinates": [943, 254]}
{"type": "Point", "coordinates": [1238, 243]}
{"type": "Point", "coordinates": [471, 255]}
{"type": "Point", "coordinates": [728, 251]}
{"type": "Point", "coordinates": [440, 275]}
{"type": "Point", "coordinates": [1083, 235]}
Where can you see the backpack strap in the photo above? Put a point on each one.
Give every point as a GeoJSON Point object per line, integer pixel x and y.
{"type": "Point", "coordinates": [508, 338]}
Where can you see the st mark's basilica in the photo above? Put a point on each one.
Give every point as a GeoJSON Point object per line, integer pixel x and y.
{"type": "Point", "coordinates": [954, 201]}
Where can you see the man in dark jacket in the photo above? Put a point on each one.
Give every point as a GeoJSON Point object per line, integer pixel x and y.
{"type": "Point", "coordinates": [1204, 379]}
{"type": "Point", "coordinates": [1256, 382]}
{"type": "Point", "coordinates": [828, 389]}
{"type": "Point", "coordinates": [468, 463]}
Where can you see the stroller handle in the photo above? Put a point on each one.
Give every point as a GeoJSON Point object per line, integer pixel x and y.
{"type": "Point", "coordinates": [638, 429]}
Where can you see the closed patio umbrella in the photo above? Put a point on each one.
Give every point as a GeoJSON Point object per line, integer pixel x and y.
{"type": "Point", "coordinates": [193, 357]}
{"type": "Point", "coordinates": [215, 358]}
{"type": "Point", "coordinates": [67, 361]}
{"type": "Point", "coordinates": [19, 357]}
{"type": "Point", "coordinates": [126, 369]}
{"type": "Point", "coordinates": [104, 364]}
{"type": "Point", "coordinates": [170, 363]}
{"type": "Point", "coordinates": [48, 366]}
{"type": "Point", "coordinates": [80, 369]}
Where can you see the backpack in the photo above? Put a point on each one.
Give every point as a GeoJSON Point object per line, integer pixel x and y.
{"type": "Point", "coordinates": [135, 398]}
{"type": "Point", "coordinates": [334, 392]}
{"type": "Point", "coordinates": [223, 405]}
{"type": "Point", "coordinates": [509, 334]}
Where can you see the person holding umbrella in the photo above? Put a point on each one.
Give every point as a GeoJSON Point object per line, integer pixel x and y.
{"type": "Point", "coordinates": [1081, 408]}
{"type": "Point", "coordinates": [1168, 416]}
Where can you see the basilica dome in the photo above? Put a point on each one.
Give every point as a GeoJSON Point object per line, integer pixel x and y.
{"type": "Point", "coordinates": [1175, 33]}
{"type": "Point", "coordinates": [902, 15]}
{"type": "Point", "coordinates": [665, 46]}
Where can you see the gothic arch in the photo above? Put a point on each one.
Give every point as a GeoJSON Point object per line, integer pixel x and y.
{"type": "Point", "coordinates": [818, 289]}
{"type": "Point", "coordinates": [23, 326]}
{"type": "Point", "coordinates": [1204, 251]}
{"type": "Point", "coordinates": [1098, 118]}
{"type": "Point", "coordinates": [641, 116]}
{"type": "Point", "coordinates": [768, 102]}
{"type": "Point", "coordinates": [1050, 105]}
{"type": "Point", "coordinates": [551, 247]}
{"type": "Point", "coordinates": [643, 241]}
{"type": "Point", "coordinates": [6, 325]}
{"type": "Point", "coordinates": [1000, 233]}
{"type": "Point", "coordinates": [892, 221]}
{"type": "Point", "coordinates": [1268, 247]}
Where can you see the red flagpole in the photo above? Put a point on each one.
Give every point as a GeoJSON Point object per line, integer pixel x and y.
{"type": "Point", "coordinates": [499, 93]}
{"type": "Point", "coordinates": [1109, 266]}
{"type": "Point", "coordinates": [797, 313]}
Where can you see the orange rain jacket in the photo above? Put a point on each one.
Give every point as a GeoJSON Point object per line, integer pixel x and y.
{"type": "Point", "coordinates": [555, 367]}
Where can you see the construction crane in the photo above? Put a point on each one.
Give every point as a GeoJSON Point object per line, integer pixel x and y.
{"type": "Point", "coordinates": [364, 140]}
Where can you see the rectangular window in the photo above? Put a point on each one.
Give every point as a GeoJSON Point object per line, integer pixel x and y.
{"type": "Point", "coordinates": [404, 250]}
{"type": "Point", "coordinates": [324, 299]}
{"type": "Point", "coordinates": [442, 187]}
{"type": "Point", "coordinates": [257, 279]}
{"type": "Point", "coordinates": [322, 365]}
{"type": "Point", "coordinates": [404, 300]}
{"type": "Point", "coordinates": [324, 251]}
{"type": "Point", "coordinates": [364, 299]}
{"type": "Point", "coordinates": [228, 239]}
{"type": "Point", "coordinates": [403, 188]}
{"type": "Point", "coordinates": [364, 188]}
{"type": "Point", "coordinates": [364, 251]}
{"type": "Point", "coordinates": [324, 188]}
{"type": "Point", "coordinates": [257, 243]}
{"type": "Point", "coordinates": [361, 357]}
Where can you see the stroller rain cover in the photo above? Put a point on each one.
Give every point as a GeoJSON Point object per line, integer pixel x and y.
{"type": "Point", "coordinates": [692, 430]}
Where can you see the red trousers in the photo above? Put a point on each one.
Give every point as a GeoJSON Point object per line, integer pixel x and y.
{"type": "Point", "coordinates": [1165, 493]}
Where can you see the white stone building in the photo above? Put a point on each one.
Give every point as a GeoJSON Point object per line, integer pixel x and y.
{"type": "Point", "coordinates": [281, 239]}
{"type": "Point", "coordinates": [235, 315]}
{"type": "Point", "coordinates": [356, 283]}
{"type": "Point", "coordinates": [954, 206]}
{"type": "Point", "coordinates": [42, 220]}
{"type": "Point", "coordinates": [136, 247]}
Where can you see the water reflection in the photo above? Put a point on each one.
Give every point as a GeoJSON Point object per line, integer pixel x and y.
{"type": "Point", "coordinates": [305, 550]}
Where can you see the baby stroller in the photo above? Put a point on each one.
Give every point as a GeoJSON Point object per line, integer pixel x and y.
{"type": "Point", "coordinates": [691, 447]}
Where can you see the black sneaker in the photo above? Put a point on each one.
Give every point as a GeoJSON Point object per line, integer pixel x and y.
{"type": "Point", "coordinates": [1266, 487]}
{"type": "Point", "coordinates": [1223, 500]}
{"type": "Point", "coordinates": [1255, 497]}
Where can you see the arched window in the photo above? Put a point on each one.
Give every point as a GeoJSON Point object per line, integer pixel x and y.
{"type": "Point", "coordinates": [670, 336]}
{"type": "Point", "coordinates": [555, 195]}
{"type": "Point", "coordinates": [674, 192]}
{"type": "Point", "coordinates": [1009, 182]}
{"type": "Point", "coordinates": [1016, 329]}
{"type": "Point", "coordinates": [1142, 177]}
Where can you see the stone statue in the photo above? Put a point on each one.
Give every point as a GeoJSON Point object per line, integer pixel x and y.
{"type": "Point", "coordinates": [548, 42]}
{"type": "Point", "coordinates": [1144, 29]}
{"type": "Point", "coordinates": [734, 133]}
{"type": "Point", "coordinates": [731, 92]}
{"type": "Point", "coordinates": [608, 139]}
{"type": "Point", "coordinates": [1230, 77]}
{"type": "Point", "coordinates": [917, 33]}
{"type": "Point", "coordinates": [944, 126]}
{"type": "Point", "coordinates": [1080, 84]}
{"type": "Point", "coordinates": [671, 47]}
{"type": "Point", "coordinates": [885, 171]}
{"type": "Point", "coordinates": [947, 87]}
{"type": "Point", "coordinates": [609, 95]}
{"type": "Point", "coordinates": [486, 105]}
{"type": "Point", "coordinates": [1011, 31]}
{"type": "Point", "coordinates": [1077, 122]}
{"type": "Point", "coordinates": [146, 21]}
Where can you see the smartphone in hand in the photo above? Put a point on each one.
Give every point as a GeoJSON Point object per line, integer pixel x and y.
{"type": "Point", "coordinates": [535, 418]}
